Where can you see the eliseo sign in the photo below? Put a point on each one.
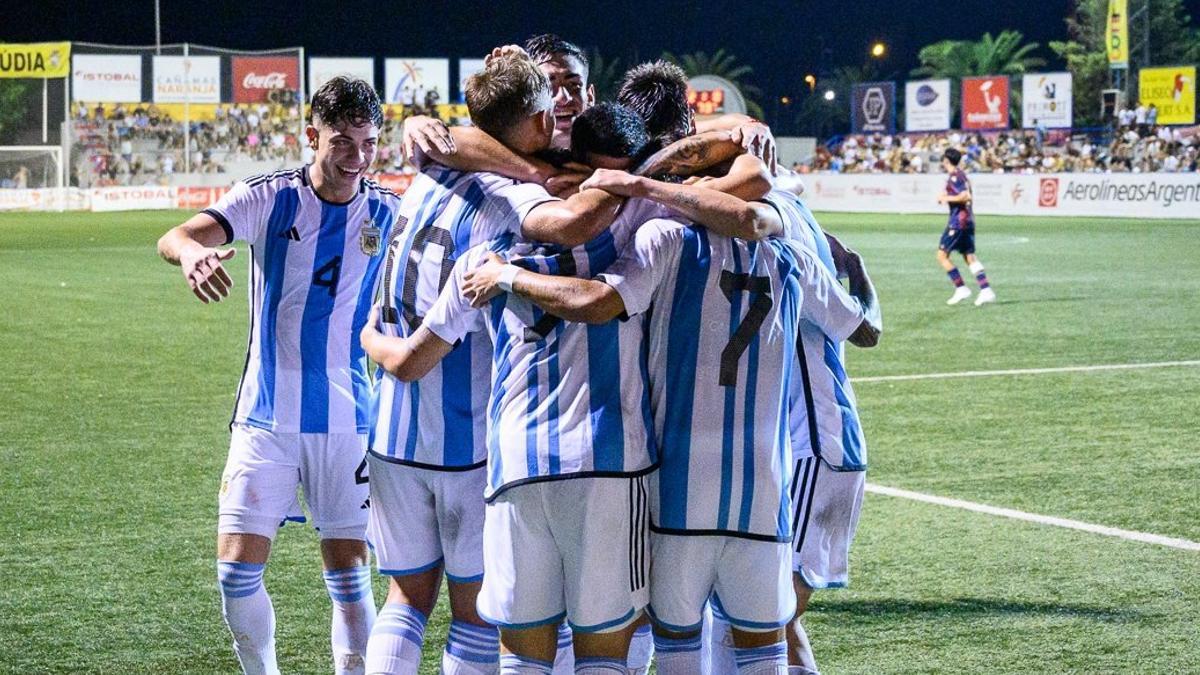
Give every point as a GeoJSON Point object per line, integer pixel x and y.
{"type": "Point", "coordinates": [255, 77]}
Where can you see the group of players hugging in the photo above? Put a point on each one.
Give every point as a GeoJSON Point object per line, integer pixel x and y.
{"type": "Point", "coordinates": [610, 406]}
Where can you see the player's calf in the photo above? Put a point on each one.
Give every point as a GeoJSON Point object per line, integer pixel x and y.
{"type": "Point", "coordinates": [249, 614]}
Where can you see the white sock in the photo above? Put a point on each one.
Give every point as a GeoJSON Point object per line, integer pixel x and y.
{"type": "Point", "coordinates": [564, 658]}
{"type": "Point", "coordinates": [512, 664]}
{"type": "Point", "coordinates": [975, 267]}
{"type": "Point", "coordinates": [396, 638]}
{"type": "Point", "coordinates": [641, 649]}
{"type": "Point", "coordinates": [677, 657]}
{"type": "Point", "coordinates": [718, 645]}
{"type": "Point", "coordinates": [801, 670]}
{"type": "Point", "coordinates": [471, 650]}
{"type": "Point", "coordinates": [766, 660]}
{"type": "Point", "coordinates": [353, 614]}
{"type": "Point", "coordinates": [249, 614]}
{"type": "Point", "coordinates": [598, 665]}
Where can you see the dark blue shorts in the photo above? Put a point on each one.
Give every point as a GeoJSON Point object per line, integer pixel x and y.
{"type": "Point", "coordinates": [954, 239]}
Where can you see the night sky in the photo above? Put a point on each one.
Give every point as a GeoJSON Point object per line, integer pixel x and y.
{"type": "Point", "coordinates": [781, 40]}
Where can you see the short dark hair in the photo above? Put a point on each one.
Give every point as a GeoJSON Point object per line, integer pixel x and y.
{"type": "Point", "coordinates": [657, 91]}
{"type": "Point", "coordinates": [509, 89]}
{"type": "Point", "coordinates": [548, 45]}
{"type": "Point", "coordinates": [952, 155]}
{"type": "Point", "coordinates": [346, 99]}
{"type": "Point", "coordinates": [611, 130]}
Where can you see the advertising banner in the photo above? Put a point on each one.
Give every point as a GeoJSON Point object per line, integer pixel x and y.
{"type": "Point", "coordinates": [409, 80]}
{"type": "Point", "coordinates": [1172, 91]}
{"type": "Point", "coordinates": [37, 59]}
{"type": "Point", "coordinates": [873, 108]}
{"type": "Point", "coordinates": [927, 105]}
{"type": "Point", "coordinates": [255, 77]}
{"type": "Point", "coordinates": [320, 69]}
{"type": "Point", "coordinates": [1116, 33]}
{"type": "Point", "coordinates": [192, 79]}
{"type": "Point", "coordinates": [985, 102]}
{"type": "Point", "coordinates": [1046, 100]}
{"type": "Point", "coordinates": [467, 68]}
{"type": "Point", "coordinates": [1144, 195]}
{"type": "Point", "coordinates": [106, 78]}
{"type": "Point", "coordinates": [133, 198]}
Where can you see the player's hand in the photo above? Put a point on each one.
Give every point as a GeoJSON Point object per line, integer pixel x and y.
{"type": "Point", "coordinates": [566, 180]}
{"type": "Point", "coordinates": [506, 50]}
{"type": "Point", "coordinates": [428, 133]}
{"type": "Point", "coordinates": [204, 273]}
{"type": "Point", "coordinates": [481, 284]}
{"type": "Point", "coordinates": [840, 254]}
{"type": "Point", "coordinates": [941, 199]}
{"type": "Point", "coordinates": [615, 182]}
{"type": "Point", "coordinates": [757, 140]}
{"type": "Point", "coordinates": [370, 329]}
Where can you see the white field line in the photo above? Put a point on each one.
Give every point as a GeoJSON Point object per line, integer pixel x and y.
{"type": "Point", "coordinates": [1035, 518]}
{"type": "Point", "coordinates": [1026, 371]}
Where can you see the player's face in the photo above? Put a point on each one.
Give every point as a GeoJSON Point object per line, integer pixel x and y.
{"type": "Point", "coordinates": [572, 94]}
{"type": "Point", "coordinates": [947, 166]}
{"type": "Point", "coordinates": [605, 162]}
{"type": "Point", "coordinates": [344, 152]}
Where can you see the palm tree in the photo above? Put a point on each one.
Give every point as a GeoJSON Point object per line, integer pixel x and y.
{"type": "Point", "coordinates": [722, 65]}
{"type": "Point", "coordinates": [1003, 54]}
{"type": "Point", "coordinates": [604, 74]}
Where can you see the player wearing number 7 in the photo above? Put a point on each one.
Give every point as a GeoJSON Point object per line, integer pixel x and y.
{"type": "Point", "coordinates": [301, 415]}
{"type": "Point", "coordinates": [723, 316]}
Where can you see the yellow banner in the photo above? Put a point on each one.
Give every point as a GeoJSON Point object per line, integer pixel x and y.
{"type": "Point", "coordinates": [35, 60]}
{"type": "Point", "coordinates": [1116, 33]}
{"type": "Point", "coordinates": [1172, 91]}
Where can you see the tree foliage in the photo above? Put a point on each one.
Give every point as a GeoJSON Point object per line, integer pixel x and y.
{"type": "Point", "coordinates": [13, 106]}
{"type": "Point", "coordinates": [604, 74]}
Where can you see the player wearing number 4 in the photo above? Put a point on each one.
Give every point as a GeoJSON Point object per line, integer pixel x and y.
{"type": "Point", "coordinates": [960, 233]}
{"type": "Point", "coordinates": [301, 415]}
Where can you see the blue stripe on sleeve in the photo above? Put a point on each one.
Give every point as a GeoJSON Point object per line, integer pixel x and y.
{"type": "Point", "coordinates": [275, 249]}
{"type": "Point", "coordinates": [314, 327]}
{"type": "Point", "coordinates": [682, 344]}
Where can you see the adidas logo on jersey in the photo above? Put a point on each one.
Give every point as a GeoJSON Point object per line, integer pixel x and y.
{"type": "Point", "coordinates": [292, 234]}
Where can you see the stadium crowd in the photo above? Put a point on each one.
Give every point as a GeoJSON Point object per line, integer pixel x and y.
{"type": "Point", "coordinates": [1137, 148]}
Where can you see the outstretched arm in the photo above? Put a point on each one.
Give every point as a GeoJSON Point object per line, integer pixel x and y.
{"type": "Point", "coordinates": [406, 358]}
{"type": "Point", "coordinates": [572, 221]}
{"type": "Point", "coordinates": [469, 149]}
{"type": "Point", "coordinates": [193, 247]}
{"type": "Point", "coordinates": [692, 154]}
{"type": "Point", "coordinates": [868, 332]}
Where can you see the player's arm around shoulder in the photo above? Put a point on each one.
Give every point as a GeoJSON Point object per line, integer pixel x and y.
{"type": "Point", "coordinates": [573, 221]}
{"type": "Point", "coordinates": [569, 298]}
{"type": "Point", "coordinates": [193, 247]}
{"type": "Point", "coordinates": [407, 359]}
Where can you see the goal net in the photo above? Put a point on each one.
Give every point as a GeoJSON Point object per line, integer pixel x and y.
{"type": "Point", "coordinates": [31, 177]}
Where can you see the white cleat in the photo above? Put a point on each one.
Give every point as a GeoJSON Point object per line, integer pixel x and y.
{"type": "Point", "coordinates": [985, 295]}
{"type": "Point", "coordinates": [961, 293]}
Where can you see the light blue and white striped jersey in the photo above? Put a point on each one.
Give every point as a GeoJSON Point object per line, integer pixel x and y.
{"type": "Point", "coordinates": [440, 421]}
{"type": "Point", "coordinates": [825, 415]}
{"type": "Point", "coordinates": [568, 400]}
{"type": "Point", "coordinates": [722, 325]}
{"type": "Point", "coordinates": [311, 279]}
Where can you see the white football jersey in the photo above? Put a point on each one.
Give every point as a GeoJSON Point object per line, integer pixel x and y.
{"type": "Point", "coordinates": [824, 416]}
{"type": "Point", "coordinates": [439, 421]}
{"type": "Point", "coordinates": [567, 399]}
{"type": "Point", "coordinates": [311, 281]}
{"type": "Point", "coordinates": [722, 328]}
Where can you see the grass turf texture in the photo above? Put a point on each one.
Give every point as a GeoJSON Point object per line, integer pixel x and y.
{"type": "Point", "coordinates": [117, 388]}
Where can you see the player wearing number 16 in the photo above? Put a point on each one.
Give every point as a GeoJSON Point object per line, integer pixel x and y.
{"type": "Point", "coordinates": [302, 410]}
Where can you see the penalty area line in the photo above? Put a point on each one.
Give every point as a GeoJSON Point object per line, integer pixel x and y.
{"type": "Point", "coordinates": [1067, 523]}
{"type": "Point", "coordinates": [1026, 371]}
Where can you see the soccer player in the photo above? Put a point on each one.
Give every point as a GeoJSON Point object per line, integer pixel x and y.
{"type": "Point", "coordinates": [301, 416]}
{"type": "Point", "coordinates": [723, 309]}
{"type": "Point", "coordinates": [960, 233]}
{"type": "Point", "coordinates": [428, 446]}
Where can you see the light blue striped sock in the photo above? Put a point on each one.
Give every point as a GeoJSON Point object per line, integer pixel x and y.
{"type": "Point", "coordinates": [677, 656]}
{"type": "Point", "coordinates": [766, 659]}
{"type": "Point", "coordinates": [396, 639]}
{"type": "Point", "coordinates": [471, 649]}
{"type": "Point", "coordinates": [353, 615]}
{"type": "Point", "coordinates": [596, 665]}
{"type": "Point", "coordinates": [249, 614]}
{"type": "Point", "coordinates": [512, 664]}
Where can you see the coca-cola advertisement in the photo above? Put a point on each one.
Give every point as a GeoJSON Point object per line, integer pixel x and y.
{"type": "Point", "coordinates": [256, 77]}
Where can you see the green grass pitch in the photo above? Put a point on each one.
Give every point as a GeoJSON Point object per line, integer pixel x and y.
{"type": "Point", "coordinates": [117, 384]}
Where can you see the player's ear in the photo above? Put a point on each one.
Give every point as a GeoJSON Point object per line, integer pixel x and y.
{"type": "Point", "coordinates": [311, 133]}
{"type": "Point", "coordinates": [591, 95]}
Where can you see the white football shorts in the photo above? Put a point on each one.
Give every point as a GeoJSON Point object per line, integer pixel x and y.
{"type": "Point", "coordinates": [574, 548]}
{"type": "Point", "coordinates": [422, 518]}
{"type": "Point", "coordinates": [264, 470]}
{"type": "Point", "coordinates": [827, 505]}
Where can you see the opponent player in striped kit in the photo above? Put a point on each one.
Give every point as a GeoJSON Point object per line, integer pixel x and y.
{"type": "Point", "coordinates": [960, 233]}
{"type": "Point", "coordinates": [301, 417]}
{"type": "Point", "coordinates": [691, 274]}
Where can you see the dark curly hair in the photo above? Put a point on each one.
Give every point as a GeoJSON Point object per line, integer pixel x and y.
{"type": "Point", "coordinates": [611, 130]}
{"type": "Point", "coordinates": [346, 99]}
{"type": "Point", "coordinates": [657, 91]}
{"type": "Point", "coordinates": [548, 45]}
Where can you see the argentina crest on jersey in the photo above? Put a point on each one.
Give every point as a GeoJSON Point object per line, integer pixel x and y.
{"type": "Point", "coordinates": [370, 237]}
